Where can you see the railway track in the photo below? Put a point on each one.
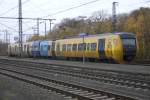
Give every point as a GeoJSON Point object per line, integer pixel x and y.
{"type": "Point", "coordinates": [117, 78]}
{"type": "Point", "coordinates": [145, 62]}
{"type": "Point", "coordinates": [75, 91]}
{"type": "Point", "coordinates": [105, 79]}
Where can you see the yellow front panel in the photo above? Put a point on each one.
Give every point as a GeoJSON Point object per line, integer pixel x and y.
{"type": "Point", "coordinates": [117, 49]}
{"type": "Point", "coordinates": [113, 48]}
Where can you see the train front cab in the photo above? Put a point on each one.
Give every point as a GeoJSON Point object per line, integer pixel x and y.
{"type": "Point", "coordinates": [119, 48]}
{"type": "Point", "coordinates": [129, 46]}
{"type": "Point", "coordinates": [44, 48]}
{"type": "Point", "coordinates": [110, 48]}
{"type": "Point", "coordinates": [107, 50]}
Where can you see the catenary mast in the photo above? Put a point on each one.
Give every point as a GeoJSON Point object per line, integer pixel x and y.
{"type": "Point", "coordinates": [20, 27]}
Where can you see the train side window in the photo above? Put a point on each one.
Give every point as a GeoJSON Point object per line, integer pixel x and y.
{"type": "Point", "coordinates": [31, 48]}
{"type": "Point", "coordinates": [15, 48]}
{"type": "Point", "coordinates": [41, 47]}
{"type": "Point", "coordinates": [115, 42]}
{"type": "Point", "coordinates": [84, 46]}
{"type": "Point", "coordinates": [24, 47]}
{"type": "Point", "coordinates": [93, 46]}
{"type": "Point", "coordinates": [49, 47]}
{"type": "Point", "coordinates": [64, 47]}
{"type": "Point", "coordinates": [80, 46]}
{"type": "Point", "coordinates": [45, 47]}
{"type": "Point", "coordinates": [88, 46]}
{"type": "Point", "coordinates": [36, 48]}
{"type": "Point", "coordinates": [74, 47]}
{"type": "Point", "coordinates": [109, 45]}
{"type": "Point", "coordinates": [68, 47]}
{"type": "Point", "coordinates": [58, 47]}
{"type": "Point", "coordinates": [27, 47]}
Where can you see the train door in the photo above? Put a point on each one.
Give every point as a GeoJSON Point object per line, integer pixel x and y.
{"type": "Point", "coordinates": [28, 52]}
{"type": "Point", "coordinates": [53, 49]}
{"type": "Point", "coordinates": [58, 49]}
{"type": "Point", "coordinates": [101, 48]}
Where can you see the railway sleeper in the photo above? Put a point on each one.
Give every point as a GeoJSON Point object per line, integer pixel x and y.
{"type": "Point", "coordinates": [99, 98]}
{"type": "Point", "coordinates": [41, 83]}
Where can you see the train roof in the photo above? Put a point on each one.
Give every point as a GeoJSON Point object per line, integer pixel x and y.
{"type": "Point", "coordinates": [123, 34]}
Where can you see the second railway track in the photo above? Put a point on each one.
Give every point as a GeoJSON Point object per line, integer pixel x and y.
{"type": "Point", "coordinates": [109, 78]}
{"type": "Point", "coordinates": [75, 91]}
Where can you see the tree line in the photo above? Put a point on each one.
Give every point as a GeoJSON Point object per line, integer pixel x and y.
{"type": "Point", "coordinates": [137, 22]}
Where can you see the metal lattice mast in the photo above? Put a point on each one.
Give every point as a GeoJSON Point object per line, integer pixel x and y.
{"type": "Point", "coordinates": [20, 27]}
{"type": "Point", "coordinates": [38, 27]}
{"type": "Point", "coordinates": [45, 29]}
{"type": "Point", "coordinates": [114, 19]}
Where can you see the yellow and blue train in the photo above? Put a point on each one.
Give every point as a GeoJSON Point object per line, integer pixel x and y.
{"type": "Point", "coordinates": [119, 47]}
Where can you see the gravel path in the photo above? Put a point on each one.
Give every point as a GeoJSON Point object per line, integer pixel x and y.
{"type": "Point", "coordinates": [12, 89]}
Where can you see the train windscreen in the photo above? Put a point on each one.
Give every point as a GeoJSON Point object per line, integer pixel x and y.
{"type": "Point", "coordinates": [129, 41]}
{"type": "Point", "coordinates": [129, 48]}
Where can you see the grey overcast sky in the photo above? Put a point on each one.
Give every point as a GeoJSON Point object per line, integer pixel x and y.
{"type": "Point", "coordinates": [42, 8]}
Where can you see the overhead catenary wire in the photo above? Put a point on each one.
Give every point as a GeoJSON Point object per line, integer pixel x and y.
{"type": "Point", "coordinates": [9, 27]}
{"type": "Point", "coordinates": [15, 18]}
{"type": "Point", "coordinates": [68, 9]}
{"type": "Point", "coordinates": [65, 10]}
{"type": "Point", "coordinates": [26, 18]}
{"type": "Point", "coordinates": [56, 12]}
{"type": "Point", "coordinates": [11, 9]}
{"type": "Point", "coordinates": [37, 7]}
